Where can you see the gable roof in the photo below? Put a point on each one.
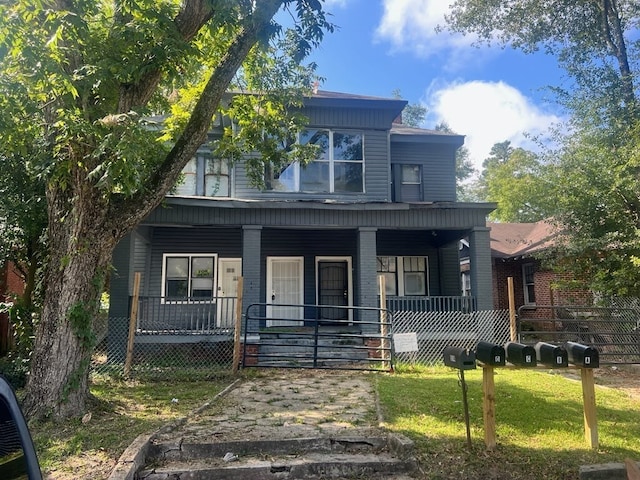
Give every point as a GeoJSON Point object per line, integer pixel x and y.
{"type": "Point", "coordinates": [512, 240]}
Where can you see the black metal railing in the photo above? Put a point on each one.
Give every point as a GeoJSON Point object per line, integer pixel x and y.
{"type": "Point", "coordinates": [431, 304]}
{"type": "Point", "coordinates": [274, 339]}
{"type": "Point", "coordinates": [185, 315]}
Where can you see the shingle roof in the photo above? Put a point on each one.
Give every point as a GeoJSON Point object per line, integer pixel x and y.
{"type": "Point", "coordinates": [509, 240]}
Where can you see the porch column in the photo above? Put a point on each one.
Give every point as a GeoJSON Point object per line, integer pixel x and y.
{"type": "Point", "coordinates": [251, 267]}
{"type": "Point", "coordinates": [480, 260]}
{"type": "Point", "coordinates": [367, 275]}
{"type": "Point", "coordinates": [119, 292]}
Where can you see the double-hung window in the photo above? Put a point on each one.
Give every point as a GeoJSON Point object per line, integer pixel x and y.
{"type": "Point", "coordinates": [188, 277]}
{"type": "Point", "coordinates": [405, 276]}
{"type": "Point", "coordinates": [528, 283]}
{"type": "Point", "coordinates": [337, 168]}
{"type": "Point", "coordinates": [204, 176]}
{"type": "Point", "coordinates": [387, 267]}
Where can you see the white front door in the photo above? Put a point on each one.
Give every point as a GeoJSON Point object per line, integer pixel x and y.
{"type": "Point", "coordinates": [229, 270]}
{"type": "Point", "coordinates": [285, 291]}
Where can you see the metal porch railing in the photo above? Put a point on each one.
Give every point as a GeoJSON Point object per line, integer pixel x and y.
{"type": "Point", "coordinates": [464, 304]}
{"type": "Point", "coordinates": [362, 342]}
{"type": "Point", "coordinates": [185, 315]}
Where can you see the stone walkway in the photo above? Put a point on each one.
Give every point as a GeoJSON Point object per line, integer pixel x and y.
{"type": "Point", "coordinates": [286, 404]}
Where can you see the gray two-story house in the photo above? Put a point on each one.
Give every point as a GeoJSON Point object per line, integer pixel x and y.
{"type": "Point", "coordinates": [380, 200]}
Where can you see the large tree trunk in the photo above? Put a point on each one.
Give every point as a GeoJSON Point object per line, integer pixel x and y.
{"type": "Point", "coordinates": [85, 224]}
{"type": "Point", "coordinates": [79, 256]}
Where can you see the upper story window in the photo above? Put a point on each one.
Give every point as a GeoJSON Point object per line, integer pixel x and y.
{"type": "Point", "coordinates": [204, 176]}
{"type": "Point", "coordinates": [188, 276]}
{"type": "Point", "coordinates": [528, 283]}
{"type": "Point", "coordinates": [338, 167]}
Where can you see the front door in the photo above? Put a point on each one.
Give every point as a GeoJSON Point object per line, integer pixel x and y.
{"type": "Point", "coordinates": [229, 270]}
{"type": "Point", "coordinates": [285, 291]}
{"type": "Point", "coordinates": [334, 289]}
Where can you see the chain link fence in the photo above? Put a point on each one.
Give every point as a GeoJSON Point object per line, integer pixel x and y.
{"type": "Point", "coordinates": [437, 330]}
{"type": "Point", "coordinates": [162, 353]}
{"type": "Point", "coordinates": [613, 331]}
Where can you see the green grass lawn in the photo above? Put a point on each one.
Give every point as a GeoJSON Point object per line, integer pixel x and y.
{"type": "Point", "coordinates": [120, 412]}
{"type": "Point", "coordinates": [539, 423]}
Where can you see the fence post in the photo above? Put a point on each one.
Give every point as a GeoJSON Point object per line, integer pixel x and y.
{"type": "Point", "coordinates": [384, 328]}
{"type": "Point", "coordinates": [237, 327]}
{"type": "Point", "coordinates": [132, 324]}
{"type": "Point", "coordinates": [512, 309]}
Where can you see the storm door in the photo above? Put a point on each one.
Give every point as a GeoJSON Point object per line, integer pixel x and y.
{"type": "Point", "coordinates": [285, 291]}
{"type": "Point", "coordinates": [229, 271]}
{"type": "Point", "coordinates": [334, 288]}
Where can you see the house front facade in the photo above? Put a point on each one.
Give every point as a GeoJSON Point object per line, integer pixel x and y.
{"type": "Point", "coordinates": [380, 200]}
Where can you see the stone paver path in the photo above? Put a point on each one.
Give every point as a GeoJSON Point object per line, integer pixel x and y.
{"type": "Point", "coordinates": [281, 404]}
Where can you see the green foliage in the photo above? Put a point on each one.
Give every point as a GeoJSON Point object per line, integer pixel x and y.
{"type": "Point", "coordinates": [464, 168]}
{"type": "Point", "coordinates": [589, 183]}
{"type": "Point", "coordinates": [513, 177]}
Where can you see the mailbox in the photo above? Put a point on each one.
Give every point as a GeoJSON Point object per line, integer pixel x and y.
{"type": "Point", "coordinates": [521, 355]}
{"type": "Point", "coordinates": [460, 358]}
{"type": "Point", "coordinates": [551, 355]}
{"type": "Point", "coordinates": [582, 355]}
{"type": "Point", "coordinates": [490, 354]}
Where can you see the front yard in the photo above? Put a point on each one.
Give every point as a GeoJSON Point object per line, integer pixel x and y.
{"type": "Point", "coordinates": [538, 419]}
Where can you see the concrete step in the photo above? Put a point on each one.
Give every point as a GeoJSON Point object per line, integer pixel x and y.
{"type": "Point", "coordinates": [304, 466]}
{"type": "Point", "coordinates": [310, 458]}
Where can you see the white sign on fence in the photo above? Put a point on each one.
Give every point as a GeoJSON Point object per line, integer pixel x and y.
{"type": "Point", "coordinates": [405, 342]}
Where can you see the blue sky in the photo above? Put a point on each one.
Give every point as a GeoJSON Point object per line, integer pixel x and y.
{"type": "Point", "coordinates": [488, 94]}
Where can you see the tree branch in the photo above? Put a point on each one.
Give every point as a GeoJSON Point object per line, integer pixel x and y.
{"type": "Point", "coordinates": [141, 204]}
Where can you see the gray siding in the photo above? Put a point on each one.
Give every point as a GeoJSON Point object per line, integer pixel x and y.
{"type": "Point", "coordinates": [224, 242]}
{"type": "Point", "coordinates": [438, 167]}
{"type": "Point", "coordinates": [320, 215]}
{"type": "Point", "coordinates": [374, 124]}
{"type": "Point", "coordinates": [412, 243]}
{"type": "Point", "coordinates": [450, 270]}
{"type": "Point", "coordinates": [308, 244]}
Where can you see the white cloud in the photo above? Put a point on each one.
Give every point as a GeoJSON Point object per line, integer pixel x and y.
{"type": "Point", "coordinates": [487, 113]}
{"type": "Point", "coordinates": [412, 25]}
{"type": "Point", "coordinates": [328, 4]}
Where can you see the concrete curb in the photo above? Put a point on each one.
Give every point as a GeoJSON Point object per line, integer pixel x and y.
{"type": "Point", "coordinates": [135, 455]}
{"type": "Point", "coordinates": [604, 471]}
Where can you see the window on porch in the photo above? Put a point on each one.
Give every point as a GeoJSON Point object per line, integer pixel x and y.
{"type": "Point", "coordinates": [188, 276]}
{"type": "Point", "coordinates": [404, 276]}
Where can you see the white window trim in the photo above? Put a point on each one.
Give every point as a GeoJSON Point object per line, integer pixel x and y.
{"type": "Point", "coordinates": [400, 274]}
{"type": "Point", "coordinates": [214, 256]}
{"type": "Point", "coordinates": [297, 169]}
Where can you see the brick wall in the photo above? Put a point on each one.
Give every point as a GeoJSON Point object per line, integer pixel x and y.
{"type": "Point", "coordinates": [548, 288]}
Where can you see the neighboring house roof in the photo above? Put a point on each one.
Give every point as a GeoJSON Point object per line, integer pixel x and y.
{"type": "Point", "coordinates": [513, 240]}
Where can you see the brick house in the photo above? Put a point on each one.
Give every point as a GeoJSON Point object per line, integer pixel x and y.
{"type": "Point", "coordinates": [515, 249]}
{"type": "Point", "coordinates": [11, 284]}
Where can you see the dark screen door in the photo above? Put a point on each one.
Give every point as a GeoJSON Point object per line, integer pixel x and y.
{"type": "Point", "coordinates": [333, 289]}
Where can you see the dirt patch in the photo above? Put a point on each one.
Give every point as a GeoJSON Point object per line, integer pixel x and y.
{"type": "Point", "coordinates": [625, 378]}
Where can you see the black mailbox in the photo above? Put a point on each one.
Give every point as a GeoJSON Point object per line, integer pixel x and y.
{"type": "Point", "coordinates": [551, 355]}
{"type": "Point", "coordinates": [582, 355]}
{"type": "Point", "coordinates": [460, 358]}
{"type": "Point", "coordinates": [520, 354]}
{"type": "Point", "coordinates": [490, 354]}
